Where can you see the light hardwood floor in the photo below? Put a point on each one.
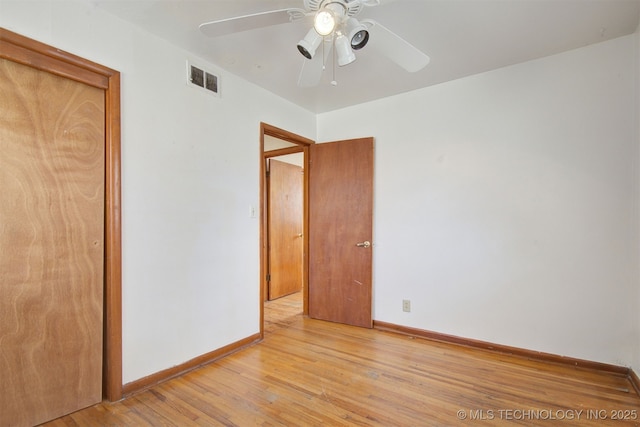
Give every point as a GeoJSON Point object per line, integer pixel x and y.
{"type": "Point", "coordinates": [308, 373]}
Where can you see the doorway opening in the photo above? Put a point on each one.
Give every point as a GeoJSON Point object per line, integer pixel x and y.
{"type": "Point", "coordinates": [288, 152]}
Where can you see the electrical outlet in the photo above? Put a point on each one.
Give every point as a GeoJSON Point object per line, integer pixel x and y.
{"type": "Point", "coordinates": [406, 305]}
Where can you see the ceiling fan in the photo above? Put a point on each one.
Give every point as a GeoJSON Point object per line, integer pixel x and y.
{"type": "Point", "coordinates": [334, 28]}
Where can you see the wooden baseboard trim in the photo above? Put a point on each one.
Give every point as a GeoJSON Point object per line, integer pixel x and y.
{"type": "Point", "coordinates": [175, 371]}
{"type": "Point", "coordinates": [499, 348]}
{"type": "Point", "coordinates": [635, 380]}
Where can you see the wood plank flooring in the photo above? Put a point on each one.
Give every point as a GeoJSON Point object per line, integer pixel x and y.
{"type": "Point", "coordinates": [311, 373]}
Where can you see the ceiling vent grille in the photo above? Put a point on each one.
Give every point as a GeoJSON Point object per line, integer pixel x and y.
{"type": "Point", "coordinates": [199, 77]}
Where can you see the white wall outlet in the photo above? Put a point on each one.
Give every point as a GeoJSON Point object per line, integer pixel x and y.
{"type": "Point", "coordinates": [252, 211]}
{"type": "Point", "coordinates": [406, 305]}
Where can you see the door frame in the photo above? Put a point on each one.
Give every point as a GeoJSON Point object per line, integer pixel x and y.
{"type": "Point", "coordinates": [40, 56]}
{"type": "Point", "coordinates": [303, 145]}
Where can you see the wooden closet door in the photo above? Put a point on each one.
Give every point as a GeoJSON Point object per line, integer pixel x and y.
{"type": "Point", "coordinates": [285, 228]}
{"type": "Point", "coordinates": [51, 244]}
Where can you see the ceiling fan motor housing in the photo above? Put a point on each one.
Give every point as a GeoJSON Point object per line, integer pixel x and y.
{"type": "Point", "coordinates": [351, 8]}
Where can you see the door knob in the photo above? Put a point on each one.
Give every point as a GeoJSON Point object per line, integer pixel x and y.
{"type": "Point", "coordinates": [364, 244]}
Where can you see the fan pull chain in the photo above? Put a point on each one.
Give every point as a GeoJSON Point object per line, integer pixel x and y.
{"type": "Point", "coordinates": [324, 56]}
{"type": "Point", "coordinates": [334, 82]}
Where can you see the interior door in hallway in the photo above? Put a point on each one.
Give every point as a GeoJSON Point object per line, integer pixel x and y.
{"type": "Point", "coordinates": [340, 231]}
{"type": "Point", "coordinates": [285, 228]}
{"type": "Point", "coordinates": [52, 142]}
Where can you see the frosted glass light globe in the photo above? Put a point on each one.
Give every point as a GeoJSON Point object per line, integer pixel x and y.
{"type": "Point", "coordinates": [324, 22]}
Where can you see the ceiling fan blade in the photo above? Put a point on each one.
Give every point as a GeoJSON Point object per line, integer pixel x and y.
{"type": "Point", "coordinates": [312, 69]}
{"type": "Point", "coordinates": [395, 47]}
{"type": "Point", "coordinates": [237, 24]}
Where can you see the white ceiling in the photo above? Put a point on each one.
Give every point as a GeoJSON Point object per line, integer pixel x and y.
{"type": "Point", "coordinates": [462, 37]}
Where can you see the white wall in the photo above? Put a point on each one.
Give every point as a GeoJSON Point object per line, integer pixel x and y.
{"type": "Point", "coordinates": [505, 204]}
{"type": "Point", "coordinates": [190, 166]}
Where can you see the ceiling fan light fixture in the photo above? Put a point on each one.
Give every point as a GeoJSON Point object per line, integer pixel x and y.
{"type": "Point", "coordinates": [308, 45]}
{"type": "Point", "coordinates": [324, 22]}
{"type": "Point", "coordinates": [358, 34]}
{"type": "Point", "coordinates": [343, 50]}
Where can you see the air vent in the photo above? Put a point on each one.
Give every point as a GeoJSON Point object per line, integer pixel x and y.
{"type": "Point", "coordinates": [199, 77]}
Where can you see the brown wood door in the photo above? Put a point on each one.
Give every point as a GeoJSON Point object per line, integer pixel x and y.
{"type": "Point", "coordinates": [340, 231]}
{"type": "Point", "coordinates": [285, 228]}
{"type": "Point", "coordinates": [52, 136]}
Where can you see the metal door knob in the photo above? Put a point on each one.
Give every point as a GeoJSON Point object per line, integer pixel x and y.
{"type": "Point", "coordinates": [364, 244]}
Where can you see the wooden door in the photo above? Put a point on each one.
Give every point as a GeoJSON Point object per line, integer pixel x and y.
{"type": "Point", "coordinates": [52, 173]}
{"type": "Point", "coordinates": [285, 228]}
{"type": "Point", "coordinates": [340, 231]}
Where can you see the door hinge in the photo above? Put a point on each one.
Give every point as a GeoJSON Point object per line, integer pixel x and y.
{"type": "Point", "coordinates": [268, 277]}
